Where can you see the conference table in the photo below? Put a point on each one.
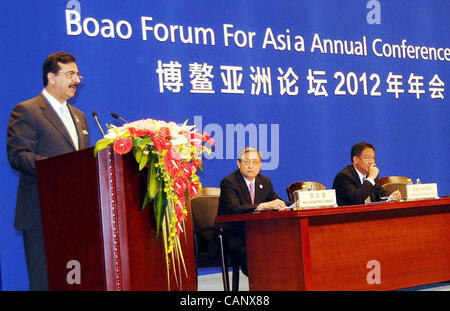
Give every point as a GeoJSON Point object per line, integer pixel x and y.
{"type": "Point", "coordinates": [378, 246]}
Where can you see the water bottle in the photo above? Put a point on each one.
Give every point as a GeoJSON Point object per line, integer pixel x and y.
{"type": "Point", "coordinates": [418, 181]}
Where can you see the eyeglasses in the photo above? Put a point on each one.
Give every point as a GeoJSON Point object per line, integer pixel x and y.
{"type": "Point", "coordinates": [72, 74]}
{"type": "Point", "coordinates": [367, 158]}
{"type": "Point", "coordinates": [247, 162]}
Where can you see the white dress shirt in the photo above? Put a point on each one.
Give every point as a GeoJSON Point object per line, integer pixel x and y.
{"type": "Point", "coordinates": [63, 112]}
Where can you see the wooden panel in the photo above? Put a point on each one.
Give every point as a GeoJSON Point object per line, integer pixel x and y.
{"type": "Point", "coordinates": [411, 246]}
{"type": "Point", "coordinates": [274, 255]}
{"type": "Point", "coordinates": [72, 222]}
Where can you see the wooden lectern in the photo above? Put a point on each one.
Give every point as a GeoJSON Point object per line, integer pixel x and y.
{"type": "Point", "coordinates": [95, 233]}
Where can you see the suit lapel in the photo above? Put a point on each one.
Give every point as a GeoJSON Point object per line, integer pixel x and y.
{"type": "Point", "coordinates": [52, 116]}
{"type": "Point", "coordinates": [244, 188]}
{"type": "Point", "coordinates": [355, 177]}
{"type": "Point", "coordinates": [259, 190]}
{"type": "Point", "coordinates": [373, 196]}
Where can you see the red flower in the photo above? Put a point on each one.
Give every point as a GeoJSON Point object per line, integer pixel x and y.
{"type": "Point", "coordinates": [180, 185]}
{"type": "Point", "coordinates": [208, 139]}
{"type": "Point", "coordinates": [196, 136]}
{"type": "Point", "coordinates": [161, 139]}
{"type": "Point", "coordinates": [179, 211]}
{"type": "Point", "coordinates": [164, 132]}
{"type": "Point", "coordinates": [172, 165]}
{"type": "Point", "coordinates": [123, 145]}
{"type": "Point", "coordinates": [187, 169]}
{"type": "Point", "coordinates": [182, 202]}
{"type": "Point", "coordinates": [141, 133]}
{"type": "Point", "coordinates": [132, 131]}
{"type": "Point", "coordinates": [138, 133]}
{"type": "Point", "coordinates": [196, 139]}
{"type": "Point", "coordinates": [167, 145]}
{"type": "Point", "coordinates": [193, 189]}
{"type": "Point", "coordinates": [158, 142]}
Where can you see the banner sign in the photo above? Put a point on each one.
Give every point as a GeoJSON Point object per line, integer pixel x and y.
{"type": "Point", "coordinates": [300, 80]}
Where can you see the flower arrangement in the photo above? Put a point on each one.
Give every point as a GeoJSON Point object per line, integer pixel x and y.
{"type": "Point", "coordinates": [172, 154]}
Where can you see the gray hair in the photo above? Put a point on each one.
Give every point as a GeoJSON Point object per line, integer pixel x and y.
{"type": "Point", "coordinates": [246, 150]}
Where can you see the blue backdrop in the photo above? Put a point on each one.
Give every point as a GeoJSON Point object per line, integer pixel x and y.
{"type": "Point", "coordinates": [302, 80]}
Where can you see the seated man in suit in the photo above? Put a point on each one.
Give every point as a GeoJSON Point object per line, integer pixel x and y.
{"type": "Point", "coordinates": [244, 191]}
{"type": "Point", "coordinates": [358, 183]}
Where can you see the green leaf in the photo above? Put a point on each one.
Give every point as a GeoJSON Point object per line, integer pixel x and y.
{"type": "Point", "coordinates": [146, 201]}
{"type": "Point", "coordinates": [141, 141]}
{"type": "Point", "coordinates": [137, 154]}
{"type": "Point", "coordinates": [152, 182]}
{"type": "Point", "coordinates": [102, 144]}
{"type": "Point", "coordinates": [159, 207]}
{"type": "Point", "coordinates": [143, 160]}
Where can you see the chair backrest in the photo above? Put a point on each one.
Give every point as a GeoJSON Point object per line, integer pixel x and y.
{"type": "Point", "coordinates": [204, 210]}
{"type": "Point", "coordinates": [393, 180]}
{"type": "Point", "coordinates": [392, 183]}
{"type": "Point", "coordinates": [298, 186]}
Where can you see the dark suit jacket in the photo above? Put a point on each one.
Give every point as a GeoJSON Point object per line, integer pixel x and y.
{"type": "Point", "coordinates": [350, 191]}
{"type": "Point", "coordinates": [36, 132]}
{"type": "Point", "coordinates": [235, 197]}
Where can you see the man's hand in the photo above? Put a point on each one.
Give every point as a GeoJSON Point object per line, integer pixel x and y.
{"type": "Point", "coordinates": [271, 205]}
{"type": "Point", "coordinates": [373, 171]}
{"type": "Point", "coordinates": [396, 195]}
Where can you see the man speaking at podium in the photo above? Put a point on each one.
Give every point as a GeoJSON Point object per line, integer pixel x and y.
{"type": "Point", "coordinates": [244, 191]}
{"type": "Point", "coordinates": [42, 127]}
{"type": "Point", "coordinates": [358, 183]}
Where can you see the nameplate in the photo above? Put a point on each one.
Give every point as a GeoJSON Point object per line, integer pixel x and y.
{"type": "Point", "coordinates": [315, 198]}
{"type": "Point", "coordinates": [421, 191]}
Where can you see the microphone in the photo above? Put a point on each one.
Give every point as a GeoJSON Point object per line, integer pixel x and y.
{"type": "Point", "coordinates": [94, 114]}
{"type": "Point", "coordinates": [116, 116]}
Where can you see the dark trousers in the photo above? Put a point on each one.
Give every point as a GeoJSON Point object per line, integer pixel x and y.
{"type": "Point", "coordinates": [33, 241]}
{"type": "Point", "coordinates": [235, 246]}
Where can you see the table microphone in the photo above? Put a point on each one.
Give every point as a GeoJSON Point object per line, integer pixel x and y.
{"type": "Point", "coordinates": [94, 114]}
{"type": "Point", "coordinates": [116, 116]}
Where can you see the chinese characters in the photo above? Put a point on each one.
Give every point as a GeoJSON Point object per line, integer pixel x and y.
{"type": "Point", "coordinates": [230, 80]}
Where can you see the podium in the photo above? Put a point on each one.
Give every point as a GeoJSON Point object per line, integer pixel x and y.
{"type": "Point", "coordinates": [96, 237]}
